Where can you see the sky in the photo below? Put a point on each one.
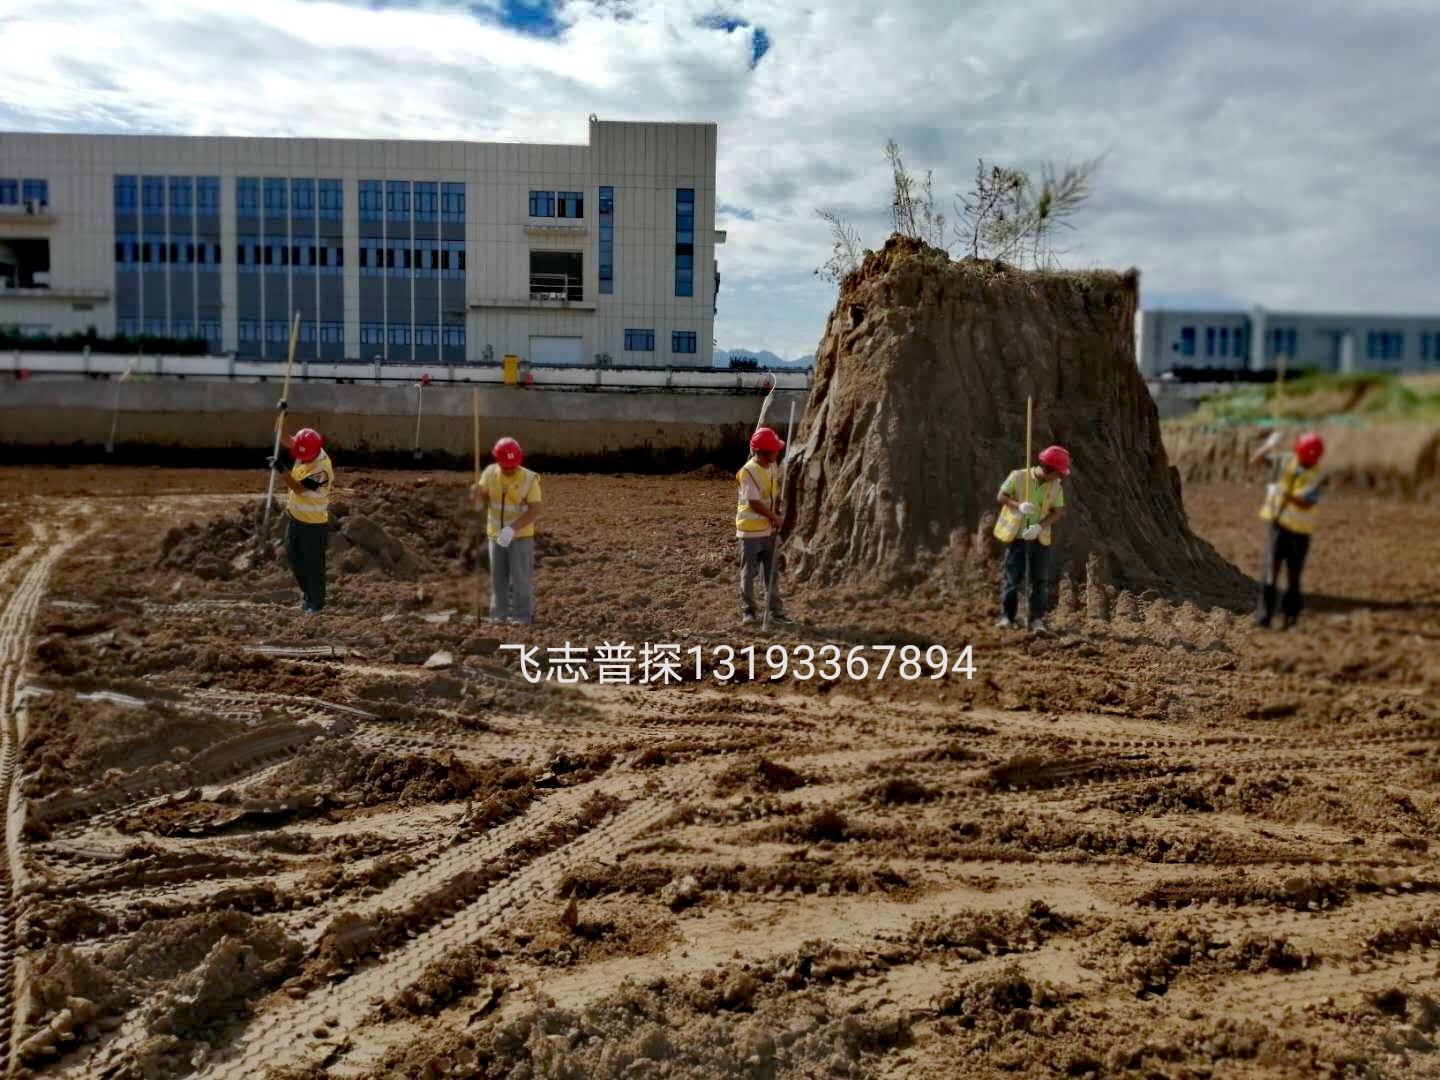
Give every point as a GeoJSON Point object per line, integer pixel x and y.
{"type": "Point", "coordinates": [1284, 153]}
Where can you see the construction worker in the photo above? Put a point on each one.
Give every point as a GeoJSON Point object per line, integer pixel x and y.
{"type": "Point", "coordinates": [511, 498]}
{"type": "Point", "coordinates": [1031, 501]}
{"type": "Point", "coordinates": [757, 524]}
{"type": "Point", "coordinates": [1296, 484]}
{"type": "Point", "coordinates": [307, 533]}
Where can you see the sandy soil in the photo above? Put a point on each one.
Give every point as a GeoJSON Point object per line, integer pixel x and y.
{"type": "Point", "coordinates": [1156, 843]}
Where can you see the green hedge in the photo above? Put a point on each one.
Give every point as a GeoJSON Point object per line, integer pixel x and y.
{"type": "Point", "coordinates": [11, 338]}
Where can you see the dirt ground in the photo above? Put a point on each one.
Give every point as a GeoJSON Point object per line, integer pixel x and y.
{"type": "Point", "coordinates": [1154, 843]}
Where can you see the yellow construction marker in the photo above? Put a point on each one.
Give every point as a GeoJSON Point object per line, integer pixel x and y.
{"type": "Point", "coordinates": [279, 429]}
{"type": "Point", "coordinates": [1029, 441]}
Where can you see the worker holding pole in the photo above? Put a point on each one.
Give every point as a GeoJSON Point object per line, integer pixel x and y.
{"type": "Point", "coordinates": [1297, 482]}
{"type": "Point", "coordinates": [1032, 501]}
{"type": "Point", "coordinates": [307, 534]}
{"type": "Point", "coordinates": [757, 524]}
{"type": "Point", "coordinates": [511, 498]}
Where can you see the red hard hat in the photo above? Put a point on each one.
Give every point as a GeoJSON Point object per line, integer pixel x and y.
{"type": "Point", "coordinates": [507, 453]}
{"type": "Point", "coordinates": [1309, 448]}
{"type": "Point", "coordinates": [307, 444]}
{"type": "Point", "coordinates": [1057, 458]}
{"type": "Point", "coordinates": [765, 439]}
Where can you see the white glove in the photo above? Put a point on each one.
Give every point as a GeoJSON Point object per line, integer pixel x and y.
{"type": "Point", "coordinates": [1031, 533]}
{"type": "Point", "coordinates": [1272, 442]}
{"type": "Point", "coordinates": [1272, 491]}
{"type": "Point", "coordinates": [1027, 509]}
{"type": "Point", "coordinates": [506, 535]}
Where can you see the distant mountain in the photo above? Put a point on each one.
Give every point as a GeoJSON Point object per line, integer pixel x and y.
{"type": "Point", "coordinates": [764, 356]}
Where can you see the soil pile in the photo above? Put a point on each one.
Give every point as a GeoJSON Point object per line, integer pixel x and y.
{"type": "Point", "coordinates": [917, 415]}
{"type": "Point", "coordinates": [1397, 459]}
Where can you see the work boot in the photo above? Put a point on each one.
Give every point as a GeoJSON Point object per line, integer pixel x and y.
{"type": "Point", "coordinates": [1038, 626]}
{"type": "Point", "coordinates": [780, 617]}
{"type": "Point", "coordinates": [1262, 622]}
{"type": "Point", "coordinates": [1005, 622]}
{"type": "Point", "coordinates": [746, 618]}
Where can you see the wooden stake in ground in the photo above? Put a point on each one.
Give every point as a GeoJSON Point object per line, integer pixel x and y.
{"type": "Point", "coordinates": [1029, 444]}
{"type": "Point", "coordinates": [475, 427]}
{"type": "Point", "coordinates": [280, 411]}
{"type": "Point", "coordinates": [115, 411]}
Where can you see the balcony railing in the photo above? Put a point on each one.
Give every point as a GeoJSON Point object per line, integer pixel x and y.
{"type": "Point", "coordinates": [556, 287]}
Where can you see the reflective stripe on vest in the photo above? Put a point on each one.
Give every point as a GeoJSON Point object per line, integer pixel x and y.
{"type": "Point", "coordinates": [1294, 480]}
{"type": "Point", "coordinates": [1009, 524]}
{"type": "Point", "coordinates": [506, 511]}
{"type": "Point", "coordinates": [307, 506]}
{"type": "Point", "coordinates": [746, 519]}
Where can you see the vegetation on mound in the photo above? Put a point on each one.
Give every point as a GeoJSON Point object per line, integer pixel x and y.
{"type": "Point", "coordinates": [1350, 397]}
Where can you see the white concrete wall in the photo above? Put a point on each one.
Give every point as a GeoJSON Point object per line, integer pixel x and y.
{"type": "Point", "coordinates": [645, 163]}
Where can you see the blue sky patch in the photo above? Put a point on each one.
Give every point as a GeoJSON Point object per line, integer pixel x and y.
{"type": "Point", "coordinates": [759, 46]}
{"type": "Point", "coordinates": [537, 18]}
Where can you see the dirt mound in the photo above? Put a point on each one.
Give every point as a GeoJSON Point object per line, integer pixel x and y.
{"type": "Point", "coordinates": [918, 414]}
{"type": "Point", "coordinates": [1399, 459]}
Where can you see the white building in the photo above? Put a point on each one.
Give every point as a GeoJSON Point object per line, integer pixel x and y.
{"type": "Point", "coordinates": [1259, 340]}
{"type": "Point", "coordinates": [401, 250]}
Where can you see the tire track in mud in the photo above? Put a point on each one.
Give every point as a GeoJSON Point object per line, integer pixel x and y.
{"type": "Point", "coordinates": [16, 622]}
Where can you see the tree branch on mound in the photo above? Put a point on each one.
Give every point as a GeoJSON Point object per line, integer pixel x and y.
{"type": "Point", "coordinates": [846, 252]}
{"type": "Point", "coordinates": [1007, 214]}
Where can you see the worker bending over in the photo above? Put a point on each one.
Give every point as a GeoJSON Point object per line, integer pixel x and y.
{"type": "Point", "coordinates": [1031, 501]}
{"type": "Point", "coordinates": [1295, 487]}
{"type": "Point", "coordinates": [511, 498]}
{"type": "Point", "coordinates": [757, 524]}
{"type": "Point", "coordinates": [307, 533]}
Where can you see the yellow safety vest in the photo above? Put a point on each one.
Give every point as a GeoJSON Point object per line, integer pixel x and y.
{"type": "Point", "coordinates": [1302, 483]}
{"type": "Point", "coordinates": [1010, 524]}
{"type": "Point", "coordinates": [312, 506]}
{"type": "Point", "coordinates": [746, 519]}
{"type": "Point", "coordinates": [510, 496]}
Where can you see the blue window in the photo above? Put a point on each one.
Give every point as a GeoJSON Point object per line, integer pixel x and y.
{"type": "Point", "coordinates": [307, 333]}
{"type": "Point", "coordinates": [372, 257]}
{"type": "Point", "coordinates": [249, 331]}
{"type": "Point", "coordinates": [209, 329]}
{"type": "Point", "coordinates": [182, 250]}
{"type": "Point", "coordinates": [152, 194]}
{"type": "Point", "coordinates": [277, 256]}
{"type": "Point", "coordinates": [639, 340]}
{"type": "Point", "coordinates": [155, 328]}
{"type": "Point", "coordinates": [10, 191]}
{"type": "Point", "coordinates": [372, 333]}
{"type": "Point", "coordinates": [182, 195]}
{"type": "Point", "coordinates": [152, 255]}
{"type": "Point", "coordinates": [607, 240]}
{"type": "Point", "coordinates": [275, 197]}
{"type": "Point", "coordinates": [247, 197]}
{"type": "Point", "coordinates": [332, 200]}
{"type": "Point", "coordinates": [247, 256]}
{"type": "Point", "coordinates": [452, 259]}
{"type": "Point", "coordinates": [397, 200]}
{"type": "Point", "coordinates": [127, 193]}
{"type": "Point", "coordinates": [682, 341]}
{"type": "Point", "coordinates": [1282, 342]}
{"type": "Point", "coordinates": [399, 334]}
{"type": "Point", "coordinates": [397, 257]}
{"type": "Point", "coordinates": [1241, 346]}
{"type": "Point", "coordinates": [127, 251]}
{"type": "Point", "coordinates": [182, 329]}
{"type": "Point", "coordinates": [332, 260]}
{"type": "Point", "coordinates": [372, 200]}
{"type": "Point", "coordinates": [426, 201]}
{"type": "Point", "coordinates": [453, 337]}
{"type": "Point", "coordinates": [684, 241]}
{"type": "Point", "coordinates": [302, 199]}
{"type": "Point", "coordinates": [302, 255]}
{"type": "Point", "coordinates": [207, 256]}
{"type": "Point", "coordinates": [332, 333]}
{"type": "Point", "coordinates": [452, 203]}
{"type": "Point", "coordinates": [571, 204]}
{"type": "Point", "coordinates": [542, 204]}
{"type": "Point", "coordinates": [127, 327]}
{"type": "Point", "coordinates": [207, 196]}
{"type": "Point", "coordinates": [427, 334]}
{"type": "Point", "coordinates": [1187, 341]}
{"type": "Point", "coordinates": [277, 331]}
{"type": "Point", "coordinates": [36, 191]}
{"type": "Point", "coordinates": [427, 258]}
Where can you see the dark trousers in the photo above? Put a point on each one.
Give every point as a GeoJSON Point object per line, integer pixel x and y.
{"type": "Point", "coordinates": [1288, 548]}
{"type": "Point", "coordinates": [1020, 555]}
{"type": "Point", "coordinates": [305, 546]}
{"type": "Point", "coordinates": [757, 557]}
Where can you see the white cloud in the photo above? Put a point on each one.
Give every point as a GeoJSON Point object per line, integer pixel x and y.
{"type": "Point", "coordinates": [1282, 152]}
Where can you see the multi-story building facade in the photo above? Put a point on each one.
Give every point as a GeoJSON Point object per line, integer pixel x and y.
{"type": "Point", "coordinates": [1259, 340]}
{"type": "Point", "coordinates": [405, 251]}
